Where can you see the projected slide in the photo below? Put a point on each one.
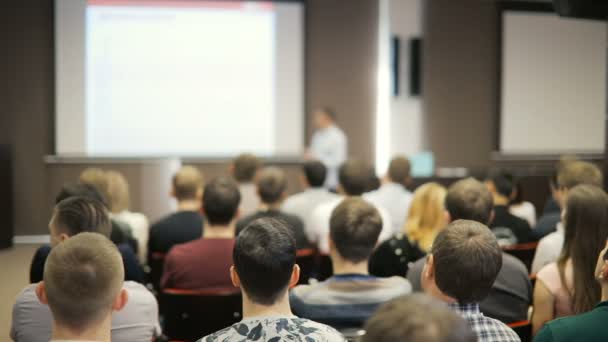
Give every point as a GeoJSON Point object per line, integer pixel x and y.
{"type": "Point", "coordinates": [191, 78]}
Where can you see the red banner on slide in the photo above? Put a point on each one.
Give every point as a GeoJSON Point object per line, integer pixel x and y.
{"type": "Point", "coordinates": [262, 5]}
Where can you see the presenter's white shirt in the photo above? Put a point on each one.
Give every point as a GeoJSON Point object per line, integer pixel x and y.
{"type": "Point", "coordinates": [396, 199]}
{"type": "Point", "coordinates": [329, 145]}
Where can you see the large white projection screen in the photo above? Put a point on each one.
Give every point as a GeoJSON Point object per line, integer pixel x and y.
{"type": "Point", "coordinates": [553, 96]}
{"type": "Point", "coordinates": [179, 78]}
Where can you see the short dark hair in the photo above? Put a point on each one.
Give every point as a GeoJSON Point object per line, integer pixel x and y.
{"type": "Point", "coordinates": [79, 190]}
{"type": "Point", "coordinates": [264, 256]}
{"type": "Point", "coordinates": [354, 176]}
{"type": "Point", "coordinates": [503, 182]}
{"type": "Point", "coordinates": [221, 199]}
{"type": "Point", "coordinates": [315, 173]}
{"type": "Point", "coordinates": [245, 167]}
{"type": "Point", "coordinates": [271, 184]}
{"type": "Point", "coordinates": [469, 199]}
{"type": "Point", "coordinates": [417, 318]}
{"type": "Point", "coordinates": [329, 111]}
{"type": "Point", "coordinates": [575, 173]}
{"type": "Point", "coordinates": [467, 259]}
{"type": "Point", "coordinates": [354, 228]}
{"type": "Point", "coordinates": [399, 169]}
{"type": "Point", "coordinates": [77, 214]}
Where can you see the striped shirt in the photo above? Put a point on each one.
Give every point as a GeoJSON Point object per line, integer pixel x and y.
{"type": "Point", "coordinates": [487, 329]}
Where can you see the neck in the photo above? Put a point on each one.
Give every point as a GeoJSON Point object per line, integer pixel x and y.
{"type": "Point", "coordinates": [500, 200]}
{"type": "Point", "coordinates": [342, 266]}
{"type": "Point", "coordinates": [280, 308]}
{"type": "Point", "coordinates": [219, 232]}
{"type": "Point", "coordinates": [99, 333]}
{"type": "Point", "coordinates": [271, 206]}
{"type": "Point", "coordinates": [604, 292]}
{"type": "Point", "coordinates": [189, 205]}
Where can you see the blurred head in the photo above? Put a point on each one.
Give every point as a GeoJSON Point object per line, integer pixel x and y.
{"type": "Point", "coordinates": [75, 215]}
{"type": "Point", "coordinates": [354, 177]}
{"type": "Point", "coordinates": [187, 184]}
{"type": "Point", "coordinates": [417, 318]}
{"type": "Point", "coordinates": [573, 173]}
{"type": "Point", "coordinates": [585, 234]}
{"type": "Point", "coordinates": [265, 261]}
{"type": "Point", "coordinates": [354, 229]}
{"type": "Point", "coordinates": [469, 199]}
{"type": "Point", "coordinates": [271, 184]}
{"type": "Point", "coordinates": [83, 280]}
{"type": "Point", "coordinates": [118, 191]}
{"type": "Point", "coordinates": [463, 264]}
{"type": "Point", "coordinates": [426, 216]}
{"type": "Point", "coordinates": [501, 184]}
{"type": "Point", "coordinates": [315, 173]}
{"type": "Point", "coordinates": [324, 117]}
{"type": "Point", "coordinates": [221, 199]}
{"type": "Point", "coordinates": [245, 167]}
{"type": "Point", "coordinates": [96, 178]}
{"type": "Point", "coordinates": [399, 170]}
{"type": "Point", "coordinates": [79, 190]}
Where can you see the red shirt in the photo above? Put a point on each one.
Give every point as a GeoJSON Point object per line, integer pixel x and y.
{"type": "Point", "coordinates": [199, 264]}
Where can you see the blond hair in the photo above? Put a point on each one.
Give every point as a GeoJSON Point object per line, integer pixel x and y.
{"type": "Point", "coordinates": [187, 183]}
{"type": "Point", "coordinates": [97, 178]}
{"type": "Point", "coordinates": [118, 192]}
{"type": "Point", "coordinates": [426, 215]}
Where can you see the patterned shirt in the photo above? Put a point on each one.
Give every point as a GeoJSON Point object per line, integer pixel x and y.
{"type": "Point", "coordinates": [487, 329]}
{"type": "Point", "coordinates": [275, 329]}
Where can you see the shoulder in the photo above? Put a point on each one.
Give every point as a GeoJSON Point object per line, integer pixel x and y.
{"type": "Point", "coordinates": [545, 334]}
{"type": "Point", "coordinates": [27, 296]}
{"type": "Point", "coordinates": [513, 265]}
{"type": "Point", "coordinates": [500, 329]}
{"type": "Point", "coordinates": [316, 331]}
{"type": "Point", "coordinates": [398, 284]}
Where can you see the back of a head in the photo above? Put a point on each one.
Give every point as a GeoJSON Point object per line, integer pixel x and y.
{"type": "Point", "coordinates": [399, 170]}
{"type": "Point", "coordinates": [118, 191]}
{"type": "Point", "coordinates": [426, 213]}
{"type": "Point", "coordinates": [245, 167]}
{"type": "Point", "coordinates": [264, 257]}
{"type": "Point", "coordinates": [354, 177]}
{"type": "Point", "coordinates": [79, 190]}
{"type": "Point", "coordinates": [469, 199]}
{"type": "Point", "coordinates": [75, 215]}
{"type": "Point", "coordinates": [467, 259]}
{"type": "Point", "coordinates": [221, 199]}
{"type": "Point", "coordinates": [575, 173]}
{"type": "Point", "coordinates": [271, 184]}
{"type": "Point", "coordinates": [417, 318]}
{"type": "Point", "coordinates": [503, 183]}
{"type": "Point", "coordinates": [315, 173]}
{"type": "Point", "coordinates": [354, 228]}
{"type": "Point", "coordinates": [82, 278]}
{"type": "Point", "coordinates": [96, 178]}
{"type": "Point", "coordinates": [187, 183]}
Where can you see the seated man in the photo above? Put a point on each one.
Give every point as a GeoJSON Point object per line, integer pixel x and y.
{"type": "Point", "coordinates": [511, 293]}
{"type": "Point", "coordinates": [303, 203]}
{"type": "Point", "coordinates": [417, 318]}
{"type": "Point", "coordinates": [509, 229]}
{"type": "Point", "coordinates": [83, 284]}
{"type": "Point", "coordinates": [272, 184]}
{"type": "Point", "coordinates": [244, 168]}
{"type": "Point", "coordinates": [588, 327]}
{"type": "Point", "coordinates": [264, 268]}
{"type": "Point", "coordinates": [32, 321]}
{"type": "Point", "coordinates": [186, 224]}
{"type": "Point", "coordinates": [351, 295]}
{"type": "Point", "coordinates": [353, 178]}
{"type": "Point", "coordinates": [460, 270]}
{"type": "Point", "coordinates": [203, 263]}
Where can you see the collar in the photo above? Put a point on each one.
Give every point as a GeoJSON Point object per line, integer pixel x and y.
{"type": "Point", "coordinates": [465, 309]}
{"type": "Point", "coordinates": [351, 276]}
{"type": "Point", "coordinates": [602, 304]}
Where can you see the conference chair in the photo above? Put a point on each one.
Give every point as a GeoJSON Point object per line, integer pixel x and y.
{"type": "Point", "coordinates": [352, 334]}
{"type": "Point", "coordinates": [524, 252]}
{"type": "Point", "coordinates": [191, 314]}
{"type": "Point", "coordinates": [325, 268]}
{"type": "Point", "coordinates": [306, 259]}
{"type": "Point", "coordinates": [156, 264]}
{"type": "Point", "coordinates": [523, 330]}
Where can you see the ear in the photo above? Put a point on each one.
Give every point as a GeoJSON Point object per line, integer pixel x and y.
{"type": "Point", "coordinates": [121, 300]}
{"type": "Point", "coordinates": [236, 281]}
{"type": "Point", "coordinates": [295, 276]}
{"type": "Point", "coordinates": [303, 181]}
{"type": "Point", "coordinates": [332, 245]}
{"type": "Point", "coordinates": [491, 217]}
{"type": "Point", "coordinates": [41, 293]}
{"type": "Point", "coordinates": [63, 237]}
{"type": "Point", "coordinates": [448, 217]}
{"type": "Point", "coordinates": [340, 189]}
{"type": "Point", "coordinates": [237, 214]}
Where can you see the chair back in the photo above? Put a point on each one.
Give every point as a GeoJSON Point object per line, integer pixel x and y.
{"type": "Point", "coordinates": [189, 315]}
{"type": "Point", "coordinates": [352, 334]}
{"type": "Point", "coordinates": [306, 259]}
{"type": "Point", "coordinates": [156, 264]}
{"type": "Point", "coordinates": [325, 269]}
{"type": "Point", "coordinates": [523, 330]}
{"type": "Point", "coordinates": [524, 252]}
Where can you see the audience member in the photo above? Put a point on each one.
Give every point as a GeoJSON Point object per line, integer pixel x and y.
{"type": "Point", "coordinates": [204, 263]}
{"type": "Point", "coordinates": [351, 295]}
{"type": "Point", "coordinates": [120, 200]}
{"type": "Point", "coordinates": [272, 185]}
{"type": "Point", "coordinates": [328, 145]}
{"type": "Point", "coordinates": [353, 175]}
{"type": "Point", "coordinates": [426, 218]}
{"type": "Point", "coordinates": [186, 224]}
{"type": "Point", "coordinates": [509, 229]}
{"type": "Point", "coordinates": [303, 203]}
{"type": "Point", "coordinates": [568, 286]}
{"type": "Point", "coordinates": [264, 268]}
{"type": "Point", "coordinates": [417, 318]}
{"type": "Point", "coordinates": [552, 212]}
{"type": "Point", "coordinates": [586, 327]}
{"type": "Point", "coordinates": [521, 208]}
{"type": "Point", "coordinates": [72, 217]}
{"type": "Point", "coordinates": [393, 194]}
{"type": "Point", "coordinates": [569, 175]}
{"type": "Point", "coordinates": [460, 270]}
{"type": "Point", "coordinates": [244, 169]}
{"type": "Point", "coordinates": [133, 270]}
{"type": "Point", "coordinates": [511, 294]}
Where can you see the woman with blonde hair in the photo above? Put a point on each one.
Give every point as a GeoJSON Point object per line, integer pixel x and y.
{"type": "Point", "coordinates": [426, 218]}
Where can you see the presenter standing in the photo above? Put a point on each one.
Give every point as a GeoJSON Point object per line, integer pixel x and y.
{"type": "Point", "coordinates": [328, 145]}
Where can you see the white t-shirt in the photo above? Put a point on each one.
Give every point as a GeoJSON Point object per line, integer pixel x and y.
{"type": "Point", "coordinates": [549, 249]}
{"type": "Point", "coordinates": [396, 199]}
{"type": "Point", "coordinates": [140, 228]}
{"type": "Point", "coordinates": [526, 211]}
{"type": "Point", "coordinates": [303, 204]}
{"type": "Point", "coordinates": [329, 146]}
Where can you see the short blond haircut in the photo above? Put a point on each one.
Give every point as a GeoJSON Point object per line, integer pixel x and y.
{"type": "Point", "coordinates": [426, 216]}
{"type": "Point", "coordinates": [187, 183]}
{"type": "Point", "coordinates": [82, 278]}
{"type": "Point", "coordinates": [119, 196]}
{"type": "Point", "coordinates": [575, 173]}
{"type": "Point", "coordinates": [96, 178]}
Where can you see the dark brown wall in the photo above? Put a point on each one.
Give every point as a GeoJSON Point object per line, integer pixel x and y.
{"type": "Point", "coordinates": [460, 81]}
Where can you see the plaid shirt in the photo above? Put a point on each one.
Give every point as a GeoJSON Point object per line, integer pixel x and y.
{"type": "Point", "coordinates": [487, 329]}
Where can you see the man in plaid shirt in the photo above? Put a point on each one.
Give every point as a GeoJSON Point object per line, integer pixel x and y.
{"type": "Point", "coordinates": [460, 270]}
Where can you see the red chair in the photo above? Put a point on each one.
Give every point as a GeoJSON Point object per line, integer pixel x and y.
{"type": "Point", "coordinates": [523, 330]}
{"type": "Point", "coordinates": [524, 252]}
{"type": "Point", "coordinates": [306, 259]}
{"type": "Point", "coordinates": [156, 264]}
{"type": "Point", "coordinates": [191, 314]}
